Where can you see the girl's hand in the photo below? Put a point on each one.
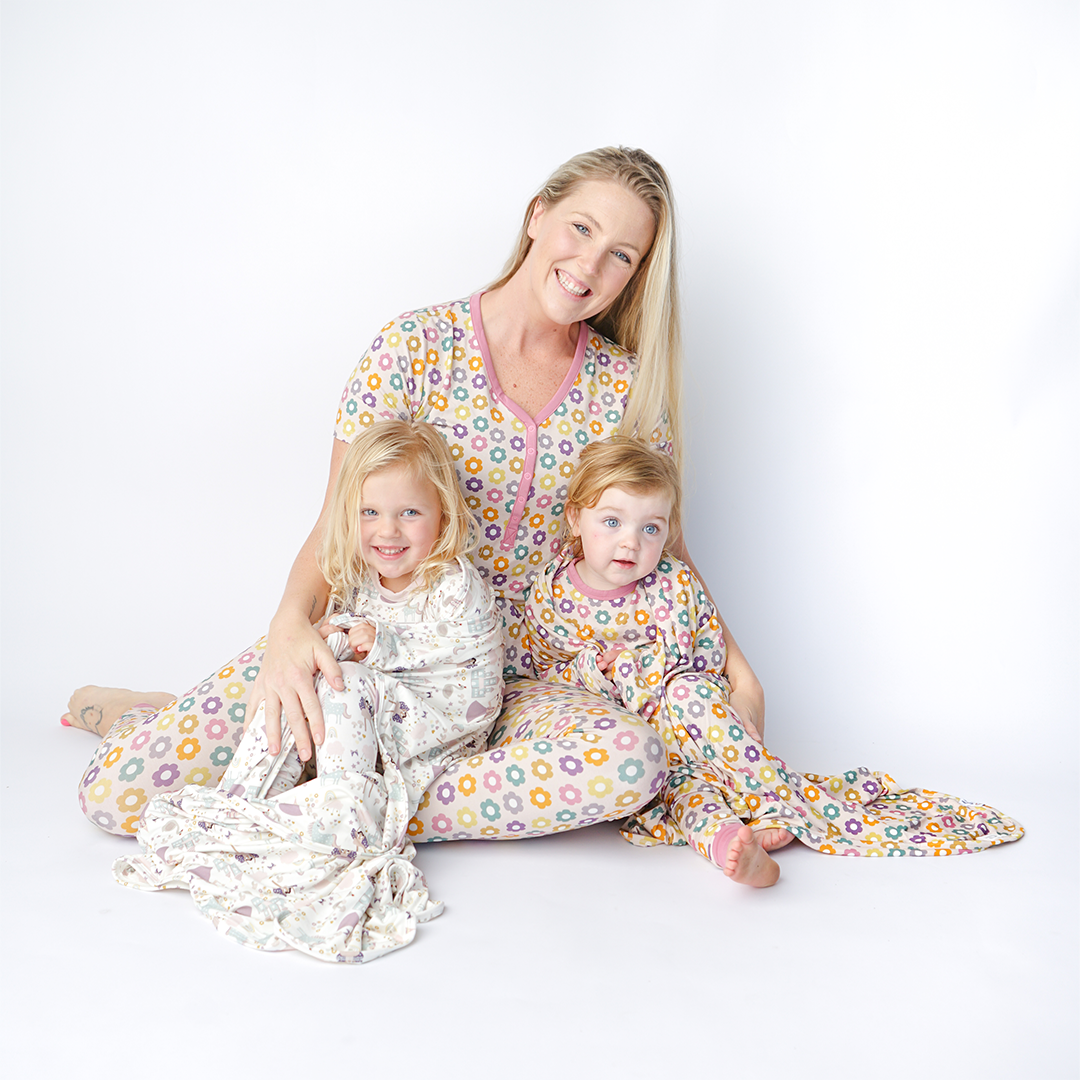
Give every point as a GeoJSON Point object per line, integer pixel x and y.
{"type": "Point", "coordinates": [361, 636]}
{"type": "Point", "coordinates": [607, 657]}
{"type": "Point", "coordinates": [741, 706]}
{"type": "Point", "coordinates": [295, 654]}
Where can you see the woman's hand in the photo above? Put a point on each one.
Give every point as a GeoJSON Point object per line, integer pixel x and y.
{"type": "Point", "coordinates": [361, 636]}
{"type": "Point", "coordinates": [743, 706]}
{"type": "Point", "coordinates": [295, 654]}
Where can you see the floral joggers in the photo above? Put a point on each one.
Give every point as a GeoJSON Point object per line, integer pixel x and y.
{"type": "Point", "coordinates": [559, 759]}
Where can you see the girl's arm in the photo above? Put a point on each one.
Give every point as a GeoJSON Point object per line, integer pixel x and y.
{"type": "Point", "coordinates": [295, 652]}
{"type": "Point", "coordinates": [747, 695]}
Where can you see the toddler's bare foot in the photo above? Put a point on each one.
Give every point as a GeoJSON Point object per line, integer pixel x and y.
{"type": "Point", "coordinates": [97, 708]}
{"type": "Point", "coordinates": [747, 863]}
{"type": "Point", "coordinates": [772, 839]}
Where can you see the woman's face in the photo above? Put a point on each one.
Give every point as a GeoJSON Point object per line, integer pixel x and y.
{"type": "Point", "coordinates": [586, 248]}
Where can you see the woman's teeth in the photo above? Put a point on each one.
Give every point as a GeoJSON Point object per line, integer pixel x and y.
{"type": "Point", "coordinates": [568, 284]}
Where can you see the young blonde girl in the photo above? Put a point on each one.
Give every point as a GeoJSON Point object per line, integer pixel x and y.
{"type": "Point", "coordinates": [326, 866]}
{"type": "Point", "coordinates": [617, 614]}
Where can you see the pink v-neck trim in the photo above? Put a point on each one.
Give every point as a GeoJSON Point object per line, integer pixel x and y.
{"type": "Point", "coordinates": [528, 470]}
{"type": "Point", "coordinates": [499, 393]}
{"type": "Point", "coordinates": [598, 594]}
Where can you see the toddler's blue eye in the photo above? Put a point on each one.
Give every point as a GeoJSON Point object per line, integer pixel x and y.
{"type": "Point", "coordinates": [652, 530]}
{"type": "Point", "coordinates": [611, 523]}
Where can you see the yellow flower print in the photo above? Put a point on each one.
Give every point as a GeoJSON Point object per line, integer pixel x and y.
{"type": "Point", "coordinates": [466, 818]}
{"type": "Point", "coordinates": [628, 798]}
{"type": "Point", "coordinates": [496, 476]}
{"type": "Point", "coordinates": [480, 402]}
{"type": "Point", "coordinates": [542, 770]}
{"type": "Point", "coordinates": [599, 786]}
{"type": "Point", "coordinates": [489, 830]}
{"type": "Point", "coordinates": [100, 791]}
{"type": "Point", "coordinates": [199, 775]}
{"type": "Point", "coordinates": [188, 725]}
{"type": "Point", "coordinates": [519, 753]}
{"type": "Point", "coordinates": [564, 428]}
{"type": "Point", "coordinates": [234, 690]}
{"type": "Point", "coordinates": [113, 756]}
{"type": "Point", "coordinates": [132, 800]}
{"type": "Point", "coordinates": [541, 823]}
{"type": "Point", "coordinates": [547, 482]}
{"type": "Point", "coordinates": [366, 420]}
{"type": "Point", "coordinates": [462, 412]}
{"type": "Point", "coordinates": [517, 425]}
{"type": "Point", "coordinates": [566, 469]}
{"type": "Point", "coordinates": [348, 429]}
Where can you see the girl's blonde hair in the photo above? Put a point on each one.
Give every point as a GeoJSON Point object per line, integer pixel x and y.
{"type": "Point", "coordinates": [630, 464]}
{"type": "Point", "coordinates": [386, 445]}
{"type": "Point", "coordinates": [645, 317]}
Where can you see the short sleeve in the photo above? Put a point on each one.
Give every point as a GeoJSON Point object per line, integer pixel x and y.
{"type": "Point", "coordinates": [406, 371]}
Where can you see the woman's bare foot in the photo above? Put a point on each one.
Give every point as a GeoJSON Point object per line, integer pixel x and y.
{"type": "Point", "coordinates": [97, 708]}
{"type": "Point", "coordinates": [771, 839]}
{"type": "Point", "coordinates": [747, 863]}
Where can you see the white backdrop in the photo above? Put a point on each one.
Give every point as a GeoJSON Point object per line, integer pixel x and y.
{"type": "Point", "coordinates": [210, 208]}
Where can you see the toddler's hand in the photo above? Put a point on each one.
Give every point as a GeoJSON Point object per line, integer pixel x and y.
{"type": "Point", "coordinates": [361, 636]}
{"type": "Point", "coordinates": [607, 657]}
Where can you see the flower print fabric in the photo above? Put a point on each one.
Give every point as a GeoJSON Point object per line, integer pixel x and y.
{"type": "Point", "coordinates": [671, 672]}
{"type": "Point", "coordinates": [326, 867]}
{"type": "Point", "coordinates": [434, 365]}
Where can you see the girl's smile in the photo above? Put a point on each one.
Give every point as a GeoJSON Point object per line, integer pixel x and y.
{"type": "Point", "coordinates": [400, 519]}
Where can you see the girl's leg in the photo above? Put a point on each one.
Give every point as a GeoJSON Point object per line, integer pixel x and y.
{"type": "Point", "coordinates": [150, 751]}
{"type": "Point", "coordinates": [560, 759]}
{"type": "Point", "coordinates": [857, 813]}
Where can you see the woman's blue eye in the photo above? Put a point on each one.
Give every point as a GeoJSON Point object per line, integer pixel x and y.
{"type": "Point", "coordinates": [622, 255]}
{"type": "Point", "coordinates": [583, 229]}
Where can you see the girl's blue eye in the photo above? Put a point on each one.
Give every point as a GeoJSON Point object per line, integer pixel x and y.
{"type": "Point", "coordinates": [413, 512]}
{"type": "Point", "coordinates": [652, 530]}
{"type": "Point", "coordinates": [611, 523]}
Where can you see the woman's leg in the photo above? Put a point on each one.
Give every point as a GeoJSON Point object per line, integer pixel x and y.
{"type": "Point", "coordinates": [149, 751]}
{"type": "Point", "coordinates": [560, 759]}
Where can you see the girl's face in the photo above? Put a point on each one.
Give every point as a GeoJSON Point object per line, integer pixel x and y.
{"type": "Point", "coordinates": [586, 248]}
{"type": "Point", "coordinates": [400, 520]}
{"type": "Point", "coordinates": [622, 536]}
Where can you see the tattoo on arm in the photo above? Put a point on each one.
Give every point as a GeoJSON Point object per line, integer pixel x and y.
{"type": "Point", "coordinates": [314, 604]}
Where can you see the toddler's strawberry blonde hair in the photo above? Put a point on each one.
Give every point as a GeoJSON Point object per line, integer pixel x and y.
{"type": "Point", "coordinates": [386, 445]}
{"type": "Point", "coordinates": [626, 463]}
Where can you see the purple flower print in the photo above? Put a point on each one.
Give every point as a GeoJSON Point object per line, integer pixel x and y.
{"type": "Point", "coordinates": [570, 765]}
{"type": "Point", "coordinates": [473, 484]}
{"type": "Point", "coordinates": [517, 443]}
{"type": "Point", "coordinates": [212, 705]}
{"type": "Point", "coordinates": [166, 775]}
{"type": "Point", "coordinates": [445, 793]}
{"type": "Point", "coordinates": [460, 431]}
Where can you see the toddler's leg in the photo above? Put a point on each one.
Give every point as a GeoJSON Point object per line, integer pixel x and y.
{"type": "Point", "coordinates": [350, 744]}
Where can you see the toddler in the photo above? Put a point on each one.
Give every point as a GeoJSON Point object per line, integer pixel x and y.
{"type": "Point", "coordinates": [617, 613]}
{"type": "Point", "coordinates": [326, 866]}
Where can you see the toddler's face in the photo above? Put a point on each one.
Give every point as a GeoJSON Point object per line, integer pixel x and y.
{"type": "Point", "coordinates": [400, 520]}
{"type": "Point", "coordinates": [622, 537]}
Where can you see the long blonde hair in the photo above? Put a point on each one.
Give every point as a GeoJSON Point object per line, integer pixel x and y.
{"type": "Point", "coordinates": [645, 317]}
{"type": "Point", "coordinates": [630, 464]}
{"type": "Point", "coordinates": [386, 445]}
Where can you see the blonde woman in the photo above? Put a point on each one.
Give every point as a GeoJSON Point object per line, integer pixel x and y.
{"type": "Point", "coordinates": [578, 339]}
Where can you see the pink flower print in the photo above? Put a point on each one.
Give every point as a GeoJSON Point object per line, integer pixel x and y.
{"type": "Point", "coordinates": [625, 740]}
{"type": "Point", "coordinates": [479, 443]}
{"type": "Point", "coordinates": [140, 740]}
{"type": "Point", "coordinates": [492, 782]}
{"type": "Point", "coordinates": [441, 823]}
{"type": "Point", "coordinates": [662, 614]}
{"type": "Point", "coordinates": [570, 794]}
{"type": "Point", "coordinates": [680, 692]}
{"type": "Point", "coordinates": [216, 728]}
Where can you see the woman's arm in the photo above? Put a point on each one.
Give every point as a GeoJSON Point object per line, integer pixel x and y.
{"type": "Point", "coordinates": [295, 651]}
{"type": "Point", "coordinates": [747, 695]}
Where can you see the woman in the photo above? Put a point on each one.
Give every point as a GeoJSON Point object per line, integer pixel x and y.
{"type": "Point", "coordinates": [517, 381]}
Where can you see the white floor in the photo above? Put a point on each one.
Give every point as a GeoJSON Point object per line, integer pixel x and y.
{"type": "Point", "coordinates": [576, 955]}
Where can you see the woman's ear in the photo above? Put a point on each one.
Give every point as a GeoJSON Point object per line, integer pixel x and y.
{"type": "Point", "coordinates": [534, 218]}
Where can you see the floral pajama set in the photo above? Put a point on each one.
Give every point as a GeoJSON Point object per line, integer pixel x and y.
{"type": "Point", "coordinates": [671, 673]}
{"type": "Point", "coordinates": [559, 757]}
{"type": "Point", "coordinates": [326, 867]}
